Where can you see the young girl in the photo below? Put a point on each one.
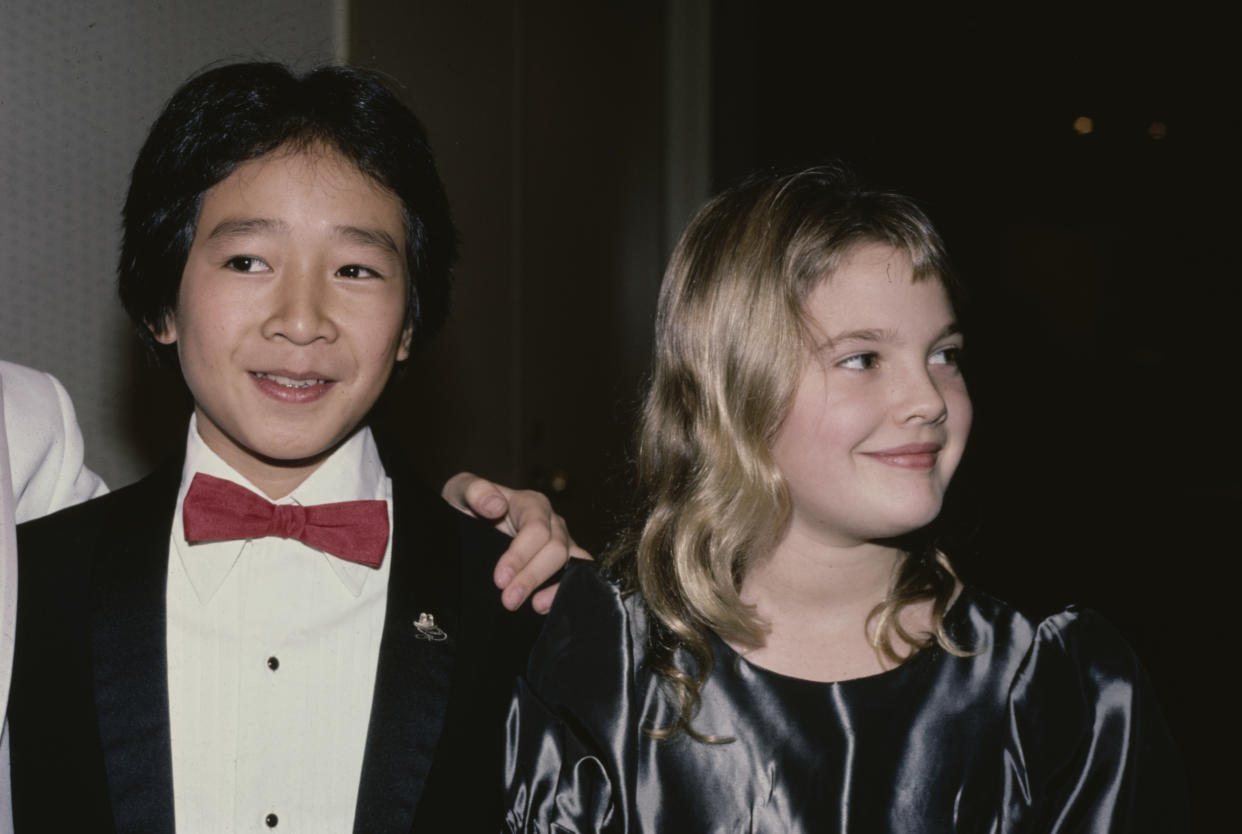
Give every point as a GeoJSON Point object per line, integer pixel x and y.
{"type": "Point", "coordinates": [780, 648]}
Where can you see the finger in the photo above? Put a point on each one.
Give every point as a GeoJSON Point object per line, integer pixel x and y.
{"type": "Point", "coordinates": [533, 535]}
{"type": "Point", "coordinates": [542, 567]}
{"type": "Point", "coordinates": [454, 489]}
{"type": "Point", "coordinates": [534, 525]}
{"type": "Point", "coordinates": [542, 601]}
{"type": "Point", "coordinates": [473, 494]}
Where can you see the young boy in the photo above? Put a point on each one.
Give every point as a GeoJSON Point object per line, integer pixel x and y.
{"type": "Point", "coordinates": [280, 629]}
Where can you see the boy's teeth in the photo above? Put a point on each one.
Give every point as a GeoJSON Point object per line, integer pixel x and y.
{"type": "Point", "coordinates": [287, 382]}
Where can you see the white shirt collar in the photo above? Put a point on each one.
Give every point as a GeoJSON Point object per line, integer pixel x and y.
{"type": "Point", "coordinates": [351, 473]}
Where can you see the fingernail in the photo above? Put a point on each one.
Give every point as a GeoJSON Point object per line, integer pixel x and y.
{"type": "Point", "coordinates": [512, 597]}
{"type": "Point", "coordinates": [504, 576]}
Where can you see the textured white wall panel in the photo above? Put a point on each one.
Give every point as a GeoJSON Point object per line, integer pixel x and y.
{"type": "Point", "coordinates": [80, 82]}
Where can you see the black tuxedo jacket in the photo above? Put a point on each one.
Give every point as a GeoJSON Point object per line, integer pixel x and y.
{"type": "Point", "coordinates": [88, 712]}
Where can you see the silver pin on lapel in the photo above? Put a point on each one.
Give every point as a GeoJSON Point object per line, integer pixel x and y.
{"type": "Point", "coordinates": [427, 628]}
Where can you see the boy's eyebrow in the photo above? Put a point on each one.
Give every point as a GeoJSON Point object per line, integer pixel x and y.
{"type": "Point", "coordinates": [240, 227]}
{"type": "Point", "coordinates": [369, 237]}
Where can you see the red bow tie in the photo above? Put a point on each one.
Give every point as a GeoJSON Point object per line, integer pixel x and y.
{"type": "Point", "coordinates": [220, 510]}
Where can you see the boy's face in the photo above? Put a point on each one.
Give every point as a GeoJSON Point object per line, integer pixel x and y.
{"type": "Point", "coordinates": [291, 313]}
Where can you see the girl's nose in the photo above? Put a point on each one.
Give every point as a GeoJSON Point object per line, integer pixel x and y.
{"type": "Point", "coordinates": [920, 399]}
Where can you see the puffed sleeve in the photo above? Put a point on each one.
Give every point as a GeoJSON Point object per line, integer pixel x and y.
{"type": "Point", "coordinates": [569, 738]}
{"type": "Point", "coordinates": [1088, 750]}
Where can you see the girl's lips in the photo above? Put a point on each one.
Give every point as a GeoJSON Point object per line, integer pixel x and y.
{"type": "Point", "coordinates": [910, 456]}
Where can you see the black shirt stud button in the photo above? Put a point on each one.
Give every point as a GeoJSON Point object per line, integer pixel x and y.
{"type": "Point", "coordinates": [271, 820]}
{"type": "Point", "coordinates": [273, 663]}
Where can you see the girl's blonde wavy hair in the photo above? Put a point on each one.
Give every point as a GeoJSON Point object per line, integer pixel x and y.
{"type": "Point", "coordinates": [731, 338]}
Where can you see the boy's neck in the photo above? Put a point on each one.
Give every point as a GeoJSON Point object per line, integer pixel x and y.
{"type": "Point", "coordinates": [278, 481]}
{"type": "Point", "coordinates": [274, 478]}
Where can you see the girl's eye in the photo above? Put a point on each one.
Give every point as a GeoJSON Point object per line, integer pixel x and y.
{"type": "Point", "coordinates": [951, 355]}
{"type": "Point", "coordinates": [357, 271]}
{"type": "Point", "coordinates": [860, 362]}
{"type": "Point", "coordinates": [245, 263]}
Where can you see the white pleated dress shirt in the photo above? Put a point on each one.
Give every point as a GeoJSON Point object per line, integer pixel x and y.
{"type": "Point", "coordinates": [272, 652]}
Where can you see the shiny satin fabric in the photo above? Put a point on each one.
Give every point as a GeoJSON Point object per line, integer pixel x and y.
{"type": "Point", "coordinates": [1046, 727]}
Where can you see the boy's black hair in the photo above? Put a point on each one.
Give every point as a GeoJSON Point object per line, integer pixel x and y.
{"type": "Point", "coordinates": [226, 116]}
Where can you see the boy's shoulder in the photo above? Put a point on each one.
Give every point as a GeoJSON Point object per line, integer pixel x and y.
{"type": "Point", "coordinates": [419, 511]}
{"type": "Point", "coordinates": [60, 548]}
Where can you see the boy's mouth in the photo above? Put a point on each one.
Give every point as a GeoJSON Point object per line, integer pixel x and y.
{"type": "Point", "coordinates": [290, 382]}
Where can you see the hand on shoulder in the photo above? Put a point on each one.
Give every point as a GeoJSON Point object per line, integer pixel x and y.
{"type": "Point", "coordinates": [541, 543]}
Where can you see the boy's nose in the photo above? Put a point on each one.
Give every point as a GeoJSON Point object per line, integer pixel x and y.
{"type": "Point", "coordinates": [300, 311]}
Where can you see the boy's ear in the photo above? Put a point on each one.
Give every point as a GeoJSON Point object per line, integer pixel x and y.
{"type": "Point", "coordinates": [165, 332]}
{"type": "Point", "coordinates": [403, 351]}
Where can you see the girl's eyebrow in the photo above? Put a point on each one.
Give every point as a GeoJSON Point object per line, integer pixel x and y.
{"type": "Point", "coordinates": [882, 335]}
{"type": "Point", "coordinates": [867, 335]}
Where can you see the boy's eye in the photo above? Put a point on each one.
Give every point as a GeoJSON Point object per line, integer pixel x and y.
{"type": "Point", "coordinates": [357, 271]}
{"type": "Point", "coordinates": [951, 355]}
{"type": "Point", "coordinates": [860, 362]}
{"type": "Point", "coordinates": [245, 263]}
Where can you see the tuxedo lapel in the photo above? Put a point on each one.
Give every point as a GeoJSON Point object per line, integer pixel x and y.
{"type": "Point", "coordinates": [414, 674]}
{"type": "Point", "coordinates": [129, 654]}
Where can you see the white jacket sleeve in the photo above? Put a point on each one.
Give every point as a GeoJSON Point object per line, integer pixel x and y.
{"type": "Point", "coordinates": [47, 468]}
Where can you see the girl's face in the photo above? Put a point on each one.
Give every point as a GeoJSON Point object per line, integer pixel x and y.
{"type": "Point", "coordinates": [880, 415]}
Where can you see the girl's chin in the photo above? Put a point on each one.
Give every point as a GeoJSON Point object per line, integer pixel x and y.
{"type": "Point", "coordinates": [901, 534]}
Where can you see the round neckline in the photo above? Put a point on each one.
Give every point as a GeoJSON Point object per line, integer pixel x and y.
{"type": "Point", "coordinates": [917, 660]}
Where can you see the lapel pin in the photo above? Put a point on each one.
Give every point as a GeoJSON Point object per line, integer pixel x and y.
{"type": "Point", "coordinates": [427, 628]}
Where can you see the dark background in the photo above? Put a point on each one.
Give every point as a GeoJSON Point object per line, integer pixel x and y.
{"type": "Point", "coordinates": [1102, 469]}
{"type": "Point", "coordinates": [1102, 356]}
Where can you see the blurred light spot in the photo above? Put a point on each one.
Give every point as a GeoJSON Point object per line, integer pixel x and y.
{"type": "Point", "coordinates": [1083, 125]}
{"type": "Point", "coordinates": [1157, 130]}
